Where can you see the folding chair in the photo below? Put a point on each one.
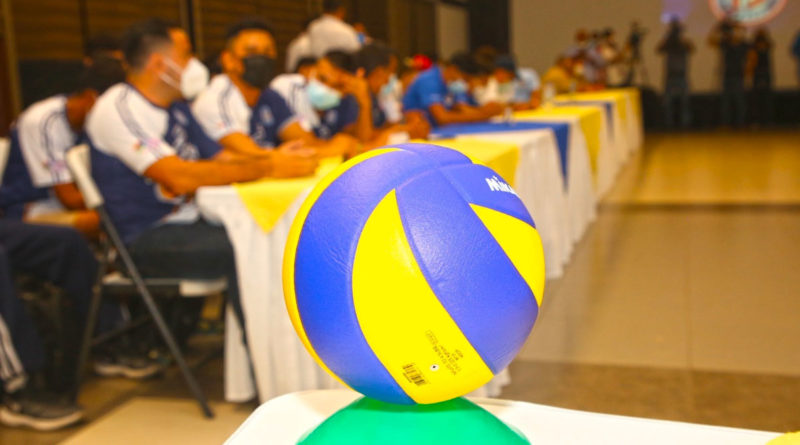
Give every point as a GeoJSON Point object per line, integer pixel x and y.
{"type": "Point", "coordinates": [78, 162]}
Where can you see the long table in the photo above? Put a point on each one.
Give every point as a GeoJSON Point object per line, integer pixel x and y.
{"type": "Point", "coordinates": [560, 193]}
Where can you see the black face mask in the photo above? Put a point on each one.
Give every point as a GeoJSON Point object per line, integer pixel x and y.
{"type": "Point", "coordinates": [258, 70]}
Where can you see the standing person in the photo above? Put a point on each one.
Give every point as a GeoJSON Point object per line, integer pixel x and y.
{"type": "Point", "coordinates": [759, 66]}
{"type": "Point", "coordinates": [299, 48]}
{"type": "Point", "coordinates": [676, 48]}
{"type": "Point", "coordinates": [730, 37]}
{"type": "Point", "coordinates": [330, 32]}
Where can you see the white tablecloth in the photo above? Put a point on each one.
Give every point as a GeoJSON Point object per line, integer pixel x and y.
{"type": "Point", "coordinates": [280, 362]}
{"type": "Point", "coordinates": [561, 216]}
{"type": "Point", "coordinates": [608, 164]}
{"type": "Point", "coordinates": [284, 420]}
{"type": "Point", "coordinates": [618, 129]}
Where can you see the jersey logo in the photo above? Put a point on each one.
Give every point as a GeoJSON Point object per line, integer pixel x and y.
{"type": "Point", "coordinates": [266, 116]}
{"type": "Point", "coordinates": [331, 117]}
{"type": "Point", "coordinates": [748, 12]}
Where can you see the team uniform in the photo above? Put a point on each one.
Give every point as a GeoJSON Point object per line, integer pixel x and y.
{"type": "Point", "coordinates": [379, 118]}
{"type": "Point", "coordinates": [221, 110]}
{"type": "Point", "coordinates": [325, 125]}
{"type": "Point", "coordinates": [165, 234]}
{"type": "Point", "coordinates": [298, 48]}
{"type": "Point", "coordinates": [128, 134]}
{"type": "Point", "coordinates": [329, 33]}
{"type": "Point", "coordinates": [39, 140]}
{"type": "Point", "coordinates": [429, 88]}
{"type": "Point", "coordinates": [527, 81]}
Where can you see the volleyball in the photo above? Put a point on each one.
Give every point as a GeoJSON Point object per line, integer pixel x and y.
{"type": "Point", "coordinates": [412, 274]}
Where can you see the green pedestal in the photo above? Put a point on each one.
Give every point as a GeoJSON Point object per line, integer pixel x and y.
{"type": "Point", "coordinates": [369, 421]}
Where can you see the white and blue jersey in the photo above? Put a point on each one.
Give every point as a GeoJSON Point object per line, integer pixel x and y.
{"type": "Point", "coordinates": [325, 125]}
{"type": "Point", "coordinates": [128, 134]}
{"type": "Point", "coordinates": [221, 110]}
{"type": "Point", "coordinates": [336, 119]}
{"type": "Point", "coordinates": [39, 140]}
{"type": "Point", "coordinates": [429, 88]}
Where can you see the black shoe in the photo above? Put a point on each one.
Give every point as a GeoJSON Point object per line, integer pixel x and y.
{"type": "Point", "coordinates": [25, 410]}
{"type": "Point", "coordinates": [126, 365]}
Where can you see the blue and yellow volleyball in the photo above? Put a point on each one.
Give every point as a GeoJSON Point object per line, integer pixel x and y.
{"type": "Point", "coordinates": [412, 274]}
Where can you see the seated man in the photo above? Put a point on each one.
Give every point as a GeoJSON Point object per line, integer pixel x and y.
{"type": "Point", "coordinates": [241, 113]}
{"type": "Point", "coordinates": [375, 67]}
{"type": "Point", "coordinates": [437, 92]}
{"type": "Point", "coordinates": [519, 87]}
{"type": "Point", "coordinates": [58, 255]}
{"type": "Point", "coordinates": [560, 78]}
{"type": "Point", "coordinates": [37, 186]}
{"type": "Point", "coordinates": [305, 66]}
{"type": "Point", "coordinates": [146, 185]}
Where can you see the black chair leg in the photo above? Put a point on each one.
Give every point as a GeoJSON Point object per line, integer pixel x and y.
{"type": "Point", "coordinates": [144, 292]}
{"type": "Point", "coordinates": [91, 322]}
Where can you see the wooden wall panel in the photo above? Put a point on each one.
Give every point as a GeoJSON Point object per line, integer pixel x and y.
{"type": "Point", "coordinates": [287, 17]}
{"type": "Point", "coordinates": [47, 29]}
{"type": "Point", "coordinates": [216, 16]}
{"type": "Point", "coordinates": [112, 17]}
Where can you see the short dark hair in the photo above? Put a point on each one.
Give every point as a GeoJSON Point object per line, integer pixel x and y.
{"type": "Point", "coordinates": [342, 60]}
{"type": "Point", "coordinates": [141, 40]}
{"type": "Point", "coordinates": [101, 74]}
{"type": "Point", "coordinates": [372, 56]}
{"type": "Point", "coordinates": [303, 62]}
{"type": "Point", "coordinates": [331, 5]}
{"type": "Point", "coordinates": [465, 63]}
{"type": "Point", "coordinates": [247, 24]}
{"type": "Point", "coordinates": [98, 44]}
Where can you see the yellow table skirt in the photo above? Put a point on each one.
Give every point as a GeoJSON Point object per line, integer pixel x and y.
{"type": "Point", "coordinates": [268, 200]}
{"type": "Point", "coordinates": [590, 119]}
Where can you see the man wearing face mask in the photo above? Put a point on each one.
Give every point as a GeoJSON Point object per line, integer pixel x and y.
{"type": "Point", "coordinates": [376, 69]}
{"type": "Point", "coordinates": [37, 186]}
{"type": "Point", "coordinates": [326, 98]}
{"type": "Point", "coordinates": [435, 92]}
{"type": "Point", "coordinates": [242, 114]}
{"type": "Point", "coordinates": [519, 87]}
{"type": "Point", "coordinates": [137, 166]}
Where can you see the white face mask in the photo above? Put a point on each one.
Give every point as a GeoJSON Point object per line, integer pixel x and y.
{"type": "Point", "coordinates": [193, 78]}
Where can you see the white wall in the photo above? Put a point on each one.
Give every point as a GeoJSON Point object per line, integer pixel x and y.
{"type": "Point", "coordinates": [541, 29]}
{"type": "Point", "coordinates": [452, 29]}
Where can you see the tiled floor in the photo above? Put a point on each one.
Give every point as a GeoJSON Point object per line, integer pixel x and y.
{"type": "Point", "coordinates": [680, 303]}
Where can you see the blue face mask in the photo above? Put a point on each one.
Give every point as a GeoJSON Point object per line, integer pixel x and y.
{"type": "Point", "coordinates": [457, 87]}
{"type": "Point", "coordinates": [322, 97]}
{"type": "Point", "coordinates": [389, 88]}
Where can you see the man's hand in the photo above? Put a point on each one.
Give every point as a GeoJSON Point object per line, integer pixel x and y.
{"type": "Point", "coordinates": [417, 125]}
{"type": "Point", "coordinates": [293, 159]}
{"type": "Point", "coordinates": [493, 109]}
{"type": "Point", "coordinates": [357, 86]}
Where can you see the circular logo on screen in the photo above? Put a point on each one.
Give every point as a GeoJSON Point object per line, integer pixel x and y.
{"type": "Point", "coordinates": [748, 12]}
